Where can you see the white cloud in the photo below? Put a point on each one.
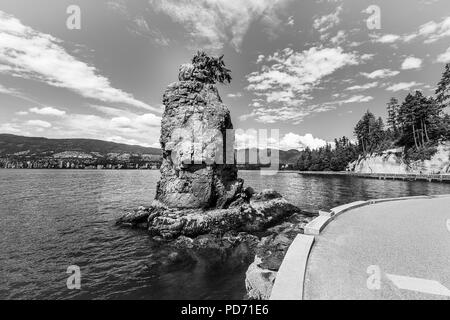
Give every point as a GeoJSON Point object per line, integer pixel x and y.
{"type": "Point", "coordinates": [34, 55]}
{"type": "Point", "coordinates": [293, 74]}
{"type": "Point", "coordinates": [411, 63]}
{"type": "Point", "coordinates": [234, 95]}
{"type": "Point", "coordinates": [286, 83]}
{"type": "Point", "coordinates": [434, 31]}
{"type": "Point", "coordinates": [211, 24]}
{"type": "Point", "coordinates": [363, 87]}
{"type": "Point", "coordinates": [294, 114]}
{"type": "Point", "coordinates": [431, 32]}
{"type": "Point", "coordinates": [326, 22]}
{"type": "Point", "coordinates": [111, 124]}
{"type": "Point", "coordinates": [146, 119]}
{"type": "Point", "coordinates": [380, 74]}
{"type": "Point", "coordinates": [298, 142]}
{"type": "Point", "coordinates": [6, 90]}
{"type": "Point", "coordinates": [290, 21]}
{"type": "Point", "coordinates": [22, 113]}
{"type": "Point", "coordinates": [260, 58]}
{"type": "Point", "coordinates": [48, 111]}
{"type": "Point", "coordinates": [387, 38]}
{"type": "Point", "coordinates": [246, 139]}
{"type": "Point", "coordinates": [339, 38]}
{"type": "Point", "coordinates": [11, 128]}
{"type": "Point", "coordinates": [355, 99]}
{"type": "Point", "coordinates": [123, 127]}
{"type": "Point", "coordinates": [444, 57]}
{"type": "Point", "coordinates": [39, 123]}
{"type": "Point", "coordinates": [249, 139]}
{"type": "Point", "coordinates": [402, 86]}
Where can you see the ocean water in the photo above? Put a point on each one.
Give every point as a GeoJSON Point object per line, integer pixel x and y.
{"type": "Point", "coordinates": [52, 219]}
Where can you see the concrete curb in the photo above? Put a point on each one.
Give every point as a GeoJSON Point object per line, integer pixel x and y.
{"type": "Point", "coordinates": [291, 275]}
{"type": "Point", "coordinates": [441, 196]}
{"type": "Point", "coordinates": [316, 226]}
{"type": "Point", "coordinates": [293, 268]}
{"type": "Point", "coordinates": [346, 207]}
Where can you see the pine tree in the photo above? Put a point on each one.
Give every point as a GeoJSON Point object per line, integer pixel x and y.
{"type": "Point", "coordinates": [443, 90]}
{"type": "Point", "coordinates": [407, 113]}
{"type": "Point", "coordinates": [393, 108]}
{"type": "Point", "coordinates": [369, 132]}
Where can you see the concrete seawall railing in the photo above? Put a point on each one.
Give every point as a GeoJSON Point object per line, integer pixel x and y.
{"type": "Point", "coordinates": [289, 284]}
{"type": "Point", "coordinates": [385, 176]}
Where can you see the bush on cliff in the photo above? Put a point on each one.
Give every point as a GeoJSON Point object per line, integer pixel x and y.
{"type": "Point", "coordinates": [213, 68]}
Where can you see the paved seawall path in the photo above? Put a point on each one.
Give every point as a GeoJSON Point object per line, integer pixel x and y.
{"type": "Point", "coordinates": [395, 249]}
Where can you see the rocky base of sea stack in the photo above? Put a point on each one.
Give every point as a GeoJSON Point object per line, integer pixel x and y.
{"type": "Point", "coordinates": [249, 212]}
{"type": "Point", "coordinates": [265, 223]}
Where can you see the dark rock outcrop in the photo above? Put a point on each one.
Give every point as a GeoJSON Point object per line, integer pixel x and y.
{"type": "Point", "coordinates": [269, 254]}
{"type": "Point", "coordinates": [245, 214]}
{"type": "Point", "coordinates": [137, 218]}
{"type": "Point", "coordinates": [242, 217]}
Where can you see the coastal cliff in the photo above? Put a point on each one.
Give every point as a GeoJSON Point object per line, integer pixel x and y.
{"type": "Point", "coordinates": [393, 161]}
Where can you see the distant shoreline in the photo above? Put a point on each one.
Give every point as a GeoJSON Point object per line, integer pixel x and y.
{"type": "Point", "coordinates": [81, 169]}
{"type": "Point", "coordinates": [443, 178]}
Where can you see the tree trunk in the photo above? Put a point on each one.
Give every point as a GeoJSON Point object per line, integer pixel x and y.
{"type": "Point", "coordinates": [415, 139]}
{"type": "Point", "coordinates": [362, 144]}
{"type": "Point", "coordinates": [423, 135]}
{"type": "Point", "coordinates": [426, 132]}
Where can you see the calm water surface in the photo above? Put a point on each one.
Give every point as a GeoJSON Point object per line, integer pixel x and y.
{"type": "Point", "coordinates": [51, 219]}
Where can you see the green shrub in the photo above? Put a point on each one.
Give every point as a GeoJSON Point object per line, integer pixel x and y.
{"type": "Point", "coordinates": [213, 68]}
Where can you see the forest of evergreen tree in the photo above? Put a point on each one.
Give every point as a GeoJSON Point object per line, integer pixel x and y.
{"type": "Point", "coordinates": [418, 125]}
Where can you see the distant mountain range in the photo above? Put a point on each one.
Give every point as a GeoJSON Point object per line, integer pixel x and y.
{"type": "Point", "coordinates": [286, 157]}
{"type": "Point", "coordinates": [13, 144]}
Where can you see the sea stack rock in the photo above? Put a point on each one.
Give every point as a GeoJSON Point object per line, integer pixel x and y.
{"type": "Point", "coordinates": [198, 169]}
{"type": "Point", "coordinates": [200, 202]}
{"type": "Point", "coordinates": [199, 192]}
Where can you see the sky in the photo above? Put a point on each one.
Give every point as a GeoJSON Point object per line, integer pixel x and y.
{"type": "Point", "coordinates": [308, 68]}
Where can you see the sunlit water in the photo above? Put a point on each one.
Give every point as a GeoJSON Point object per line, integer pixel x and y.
{"type": "Point", "coordinates": [51, 219]}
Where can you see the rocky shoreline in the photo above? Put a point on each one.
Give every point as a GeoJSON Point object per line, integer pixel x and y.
{"type": "Point", "coordinates": [248, 213]}
{"type": "Point", "coordinates": [393, 161]}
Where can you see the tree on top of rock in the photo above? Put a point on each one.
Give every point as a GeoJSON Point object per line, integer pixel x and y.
{"type": "Point", "coordinates": [213, 68]}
